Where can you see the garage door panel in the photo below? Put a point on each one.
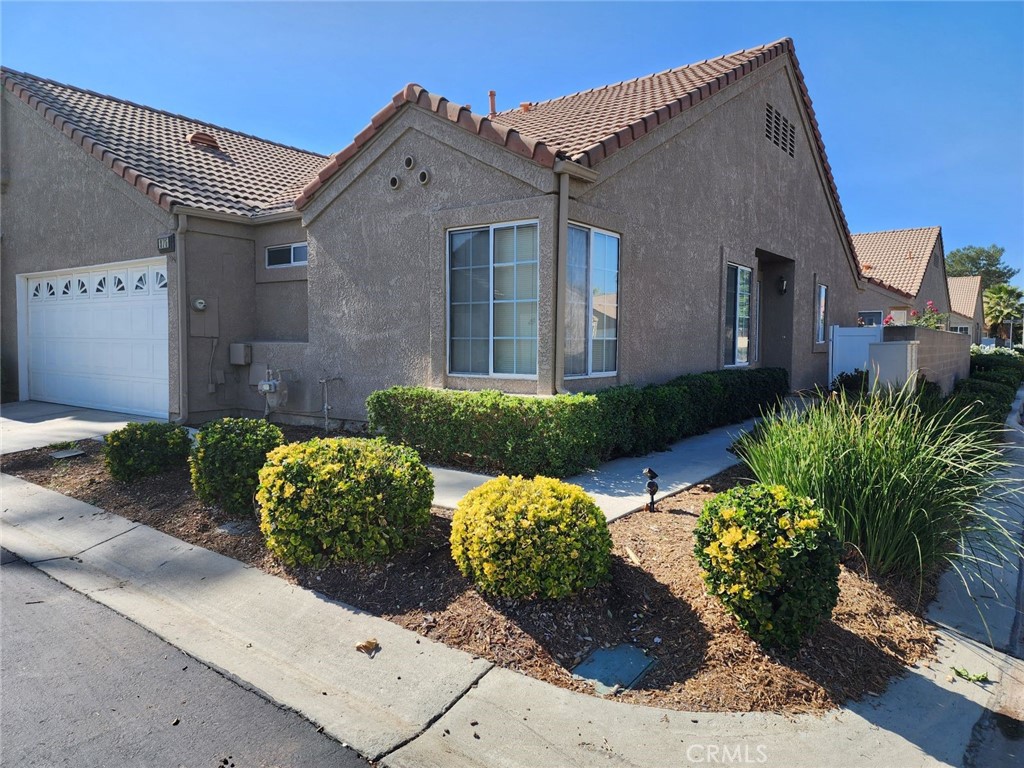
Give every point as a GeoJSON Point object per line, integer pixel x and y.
{"type": "Point", "coordinates": [99, 339]}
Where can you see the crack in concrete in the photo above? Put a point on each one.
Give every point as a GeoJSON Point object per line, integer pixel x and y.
{"type": "Point", "coordinates": [430, 723]}
{"type": "Point", "coordinates": [82, 552]}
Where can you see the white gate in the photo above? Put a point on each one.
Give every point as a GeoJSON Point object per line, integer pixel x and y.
{"type": "Point", "coordinates": [849, 348]}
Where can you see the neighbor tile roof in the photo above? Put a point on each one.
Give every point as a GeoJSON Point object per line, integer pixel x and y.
{"type": "Point", "coordinates": [897, 258]}
{"type": "Point", "coordinates": [963, 294]}
{"type": "Point", "coordinates": [589, 126]}
{"type": "Point", "coordinates": [149, 149]}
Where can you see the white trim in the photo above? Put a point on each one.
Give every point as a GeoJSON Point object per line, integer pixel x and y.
{"type": "Point", "coordinates": [21, 289]}
{"type": "Point", "coordinates": [291, 256]}
{"type": "Point", "coordinates": [490, 267]}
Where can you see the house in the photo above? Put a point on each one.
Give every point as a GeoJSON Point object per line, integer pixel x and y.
{"type": "Point", "coordinates": [967, 311]}
{"type": "Point", "coordinates": [683, 221]}
{"type": "Point", "coordinates": [904, 270]}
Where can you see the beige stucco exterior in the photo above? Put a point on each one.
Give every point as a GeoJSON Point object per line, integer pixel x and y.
{"type": "Point", "coordinates": [370, 310]}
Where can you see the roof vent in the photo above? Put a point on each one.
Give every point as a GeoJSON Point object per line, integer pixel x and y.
{"type": "Point", "coordinates": [200, 139]}
{"type": "Point", "coordinates": [778, 130]}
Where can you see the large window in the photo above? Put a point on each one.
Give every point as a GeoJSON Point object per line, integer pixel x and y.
{"type": "Point", "coordinates": [492, 300]}
{"type": "Point", "coordinates": [737, 315]}
{"type": "Point", "coordinates": [871, 318]}
{"type": "Point", "coordinates": [821, 314]}
{"type": "Point", "coordinates": [592, 302]}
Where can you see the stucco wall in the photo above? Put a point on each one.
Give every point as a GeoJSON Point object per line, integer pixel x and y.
{"type": "Point", "coordinates": [942, 357]}
{"type": "Point", "coordinates": [61, 209]}
{"type": "Point", "coordinates": [715, 191]}
{"type": "Point", "coordinates": [377, 271]}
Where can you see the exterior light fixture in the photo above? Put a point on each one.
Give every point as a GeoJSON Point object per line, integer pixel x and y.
{"type": "Point", "coordinates": [782, 284]}
{"type": "Point", "coordinates": [652, 487]}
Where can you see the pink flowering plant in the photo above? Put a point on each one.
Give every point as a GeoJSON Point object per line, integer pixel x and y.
{"type": "Point", "coordinates": [929, 318]}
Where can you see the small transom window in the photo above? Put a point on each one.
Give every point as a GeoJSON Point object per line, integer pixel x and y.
{"type": "Point", "coordinates": [287, 255]}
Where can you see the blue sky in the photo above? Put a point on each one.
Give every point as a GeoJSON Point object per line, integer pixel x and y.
{"type": "Point", "coordinates": [921, 105]}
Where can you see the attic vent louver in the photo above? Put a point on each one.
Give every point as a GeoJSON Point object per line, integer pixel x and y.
{"type": "Point", "coordinates": [779, 131]}
{"type": "Point", "coordinates": [200, 139]}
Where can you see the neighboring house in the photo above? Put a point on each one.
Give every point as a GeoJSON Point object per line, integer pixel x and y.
{"type": "Point", "coordinates": [905, 269]}
{"type": "Point", "coordinates": [968, 312]}
{"type": "Point", "coordinates": [679, 222]}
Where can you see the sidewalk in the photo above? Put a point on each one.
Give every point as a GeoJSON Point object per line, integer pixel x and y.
{"type": "Point", "coordinates": [618, 486]}
{"type": "Point", "coordinates": [419, 703]}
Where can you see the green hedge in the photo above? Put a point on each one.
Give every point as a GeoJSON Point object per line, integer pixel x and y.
{"type": "Point", "coordinates": [987, 400]}
{"type": "Point", "coordinates": [563, 435]}
{"type": "Point", "coordinates": [993, 362]}
{"type": "Point", "coordinates": [137, 450]}
{"type": "Point", "coordinates": [491, 431]}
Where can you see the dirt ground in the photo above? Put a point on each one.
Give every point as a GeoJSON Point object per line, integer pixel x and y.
{"type": "Point", "coordinates": [655, 600]}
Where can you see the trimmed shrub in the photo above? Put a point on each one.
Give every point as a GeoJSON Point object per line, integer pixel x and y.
{"type": "Point", "coordinates": [997, 359]}
{"type": "Point", "coordinates": [772, 559]}
{"type": "Point", "coordinates": [138, 450]}
{"type": "Point", "coordinates": [1005, 376]}
{"type": "Point", "coordinates": [227, 458]}
{"type": "Point", "coordinates": [852, 382]}
{"type": "Point", "coordinates": [523, 538]}
{"type": "Point", "coordinates": [491, 431]}
{"type": "Point", "coordinates": [899, 482]}
{"type": "Point", "coordinates": [336, 499]}
{"type": "Point", "coordinates": [566, 434]}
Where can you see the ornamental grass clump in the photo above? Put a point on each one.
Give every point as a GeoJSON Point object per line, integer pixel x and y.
{"type": "Point", "coordinates": [530, 538]}
{"type": "Point", "coordinates": [902, 483]}
{"type": "Point", "coordinates": [772, 558]}
{"type": "Point", "coordinates": [227, 458]}
{"type": "Point", "coordinates": [340, 499]}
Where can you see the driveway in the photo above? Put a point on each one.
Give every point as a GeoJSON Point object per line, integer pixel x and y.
{"type": "Point", "coordinates": [31, 424]}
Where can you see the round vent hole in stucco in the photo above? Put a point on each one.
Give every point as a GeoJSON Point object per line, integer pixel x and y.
{"type": "Point", "coordinates": [394, 182]}
{"type": "Point", "coordinates": [424, 177]}
{"type": "Point", "coordinates": [409, 162]}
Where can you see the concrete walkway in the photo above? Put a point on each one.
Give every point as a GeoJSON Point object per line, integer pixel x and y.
{"type": "Point", "coordinates": [31, 424]}
{"type": "Point", "coordinates": [618, 486]}
{"type": "Point", "coordinates": [418, 703]}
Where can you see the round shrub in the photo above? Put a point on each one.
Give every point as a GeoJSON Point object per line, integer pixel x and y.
{"type": "Point", "coordinates": [137, 450]}
{"type": "Point", "coordinates": [520, 538]}
{"type": "Point", "coordinates": [335, 499]}
{"type": "Point", "coordinates": [772, 559]}
{"type": "Point", "coordinates": [227, 458]}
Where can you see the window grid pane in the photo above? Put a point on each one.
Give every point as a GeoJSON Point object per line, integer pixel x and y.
{"type": "Point", "coordinates": [469, 319]}
{"type": "Point", "coordinates": [576, 302]}
{"type": "Point", "coordinates": [515, 299]}
{"type": "Point", "coordinates": [821, 319]}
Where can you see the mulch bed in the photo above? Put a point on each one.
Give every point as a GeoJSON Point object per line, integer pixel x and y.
{"type": "Point", "coordinates": [655, 600]}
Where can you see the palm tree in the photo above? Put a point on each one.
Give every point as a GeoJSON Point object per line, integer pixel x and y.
{"type": "Point", "coordinates": [1003, 303]}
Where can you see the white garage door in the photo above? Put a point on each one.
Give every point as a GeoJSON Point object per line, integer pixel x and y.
{"type": "Point", "coordinates": [98, 338]}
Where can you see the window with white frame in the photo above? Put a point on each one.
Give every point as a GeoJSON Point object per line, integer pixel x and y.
{"type": "Point", "coordinates": [821, 314]}
{"type": "Point", "coordinates": [294, 254]}
{"type": "Point", "coordinates": [592, 302]}
{"type": "Point", "coordinates": [492, 300]}
{"type": "Point", "coordinates": [960, 329]}
{"type": "Point", "coordinates": [737, 315]}
{"type": "Point", "coordinates": [869, 319]}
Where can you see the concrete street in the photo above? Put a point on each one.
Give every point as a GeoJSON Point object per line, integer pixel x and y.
{"type": "Point", "coordinates": [83, 686]}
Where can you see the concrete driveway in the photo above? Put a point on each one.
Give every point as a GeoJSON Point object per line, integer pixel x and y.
{"type": "Point", "coordinates": [31, 424]}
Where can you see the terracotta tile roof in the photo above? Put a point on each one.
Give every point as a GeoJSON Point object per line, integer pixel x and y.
{"type": "Point", "coordinates": [150, 149]}
{"type": "Point", "coordinates": [589, 126]}
{"type": "Point", "coordinates": [896, 259]}
{"type": "Point", "coordinates": [963, 294]}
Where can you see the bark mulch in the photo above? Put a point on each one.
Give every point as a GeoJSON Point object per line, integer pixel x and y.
{"type": "Point", "coordinates": [655, 600]}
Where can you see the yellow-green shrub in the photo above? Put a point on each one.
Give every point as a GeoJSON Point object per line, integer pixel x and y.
{"type": "Point", "coordinates": [772, 558]}
{"type": "Point", "coordinates": [226, 458]}
{"type": "Point", "coordinates": [341, 499]}
{"type": "Point", "coordinates": [137, 450]}
{"type": "Point", "coordinates": [520, 538]}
